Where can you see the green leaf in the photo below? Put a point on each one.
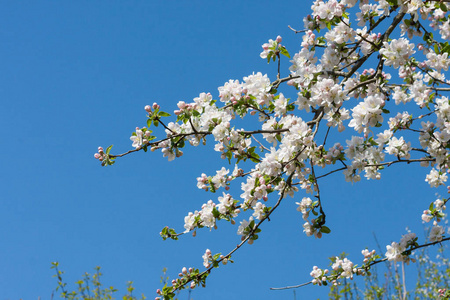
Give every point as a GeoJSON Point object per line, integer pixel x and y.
{"type": "Point", "coordinates": [252, 224]}
{"type": "Point", "coordinates": [284, 51]}
{"type": "Point", "coordinates": [445, 48]}
{"type": "Point", "coordinates": [163, 114]}
{"type": "Point", "coordinates": [215, 213]}
{"type": "Point", "coordinates": [325, 229]}
{"type": "Point", "coordinates": [108, 149]}
{"type": "Point", "coordinates": [149, 123]}
{"type": "Point", "coordinates": [443, 7]}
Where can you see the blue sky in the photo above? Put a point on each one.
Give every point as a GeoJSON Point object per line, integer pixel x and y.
{"type": "Point", "coordinates": [77, 75]}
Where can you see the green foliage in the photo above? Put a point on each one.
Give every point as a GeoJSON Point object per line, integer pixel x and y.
{"type": "Point", "coordinates": [90, 287]}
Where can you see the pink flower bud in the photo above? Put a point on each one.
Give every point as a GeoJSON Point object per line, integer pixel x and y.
{"type": "Point", "coordinates": [148, 108]}
{"type": "Point", "coordinates": [279, 39]}
{"type": "Point", "coordinates": [100, 149]}
{"type": "Point", "coordinates": [192, 285]}
{"type": "Point", "coordinates": [97, 156]}
{"type": "Point", "coordinates": [155, 105]}
{"type": "Point", "coordinates": [158, 291]}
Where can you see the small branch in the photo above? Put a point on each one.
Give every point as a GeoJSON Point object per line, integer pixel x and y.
{"type": "Point", "coordinates": [331, 172]}
{"type": "Point", "coordinates": [277, 82]}
{"type": "Point", "coordinates": [164, 125]}
{"type": "Point", "coordinates": [390, 85]}
{"type": "Point", "coordinates": [262, 146]}
{"type": "Point", "coordinates": [382, 164]}
{"type": "Point", "coordinates": [244, 132]}
{"type": "Point", "coordinates": [150, 144]}
{"type": "Point", "coordinates": [366, 267]}
{"type": "Point", "coordinates": [399, 161]}
{"type": "Point", "coordinates": [299, 31]}
{"type": "Point", "coordinates": [291, 287]}
{"type": "Point", "coordinates": [266, 217]}
{"type": "Point", "coordinates": [326, 136]}
{"type": "Point", "coordinates": [318, 196]}
{"type": "Point", "coordinates": [362, 84]}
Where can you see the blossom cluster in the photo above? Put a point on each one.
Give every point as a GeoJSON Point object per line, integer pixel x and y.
{"type": "Point", "coordinates": [396, 251]}
{"type": "Point", "coordinates": [386, 83]}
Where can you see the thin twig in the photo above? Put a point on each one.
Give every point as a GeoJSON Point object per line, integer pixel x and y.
{"type": "Point", "coordinates": [368, 266]}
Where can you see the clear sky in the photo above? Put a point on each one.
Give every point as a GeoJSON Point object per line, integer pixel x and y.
{"type": "Point", "coordinates": [76, 75]}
